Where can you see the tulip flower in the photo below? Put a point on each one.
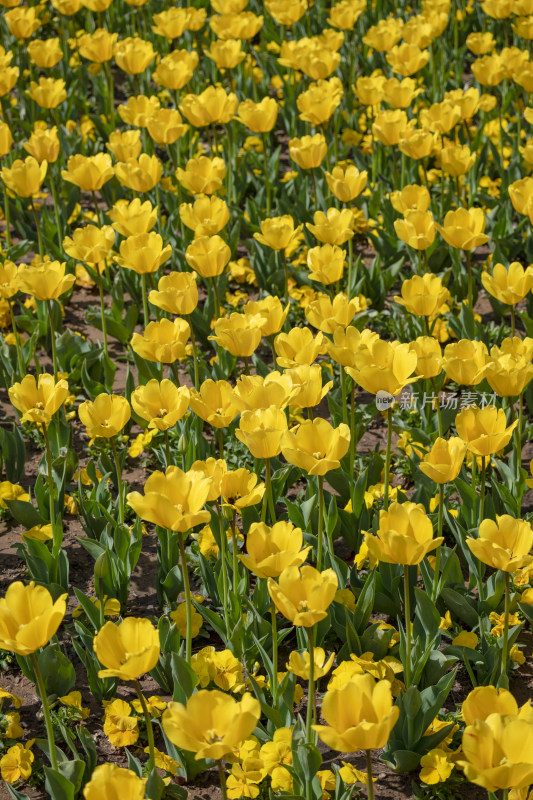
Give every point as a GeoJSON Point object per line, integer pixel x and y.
{"type": "Point", "coordinates": [423, 295]}
{"type": "Point", "coordinates": [498, 752]}
{"type": "Point", "coordinates": [298, 346]}
{"type": "Point", "coordinates": [509, 285]}
{"type": "Point", "coordinates": [299, 664]}
{"type": "Point", "coordinates": [463, 229]}
{"type": "Point", "coordinates": [464, 361]}
{"type": "Point", "coordinates": [175, 500]}
{"type": "Point", "coordinates": [239, 334]}
{"type": "Point", "coordinates": [486, 700]}
{"type": "Point", "coordinates": [29, 618]}
{"type": "Point", "coordinates": [164, 342]}
{"type": "Point", "coordinates": [360, 716]}
{"type": "Point", "coordinates": [109, 781]}
{"type": "Point", "coordinates": [134, 217]}
{"type": "Point", "coordinates": [202, 175]}
{"type": "Point", "coordinates": [404, 536]}
{"type": "Point", "coordinates": [271, 550]}
{"type": "Point", "coordinates": [327, 315]}
{"type": "Point", "coordinates": [442, 464]}
{"type": "Point", "coordinates": [105, 417]}
{"type": "Point", "coordinates": [212, 724]}
{"type": "Point", "coordinates": [207, 216]}
{"type": "Point", "coordinates": [504, 544]}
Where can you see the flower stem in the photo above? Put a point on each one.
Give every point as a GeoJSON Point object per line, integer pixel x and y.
{"type": "Point", "coordinates": [220, 443]}
{"type": "Point", "coordinates": [194, 356]}
{"type": "Point", "coordinates": [387, 460]}
{"type": "Point", "coordinates": [38, 227]}
{"type": "Point", "coordinates": [188, 600]}
{"type": "Point", "coordinates": [274, 687]}
{"type": "Point", "coordinates": [352, 427]}
{"type": "Point", "coordinates": [320, 521]}
{"type": "Point", "coordinates": [505, 643]}
{"type": "Point", "coordinates": [7, 219]}
{"type": "Point", "coordinates": [46, 710]}
{"type": "Point", "coordinates": [223, 543]}
{"type": "Point", "coordinates": [408, 631]}
{"type": "Point", "coordinates": [17, 341]}
{"type": "Point", "coordinates": [167, 448]}
{"type": "Point", "coordinates": [309, 736]}
{"type": "Point", "coordinates": [102, 307]}
{"type": "Point", "coordinates": [369, 781]}
{"type": "Point", "coordinates": [56, 534]}
{"type": "Point", "coordinates": [119, 481]}
{"type": "Point", "coordinates": [52, 337]}
{"type": "Point", "coordinates": [482, 494]}
{"type": "Point", "coordinates": [222, 779]}
{"type": "Point", "coordinates": [148, 721]}
{"type": "Point", "coordinates": [146, 312]}
{"type": "Point", "coordinates": [438, 553]}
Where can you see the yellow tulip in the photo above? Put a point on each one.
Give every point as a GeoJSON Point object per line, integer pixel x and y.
{"type": "Point", "coordinates": [315, 446]}
{"type": "Point", "coordinates": [143, 253]}
{"type": "Point", "coordinates": [206, 216]}
{"type": "Point", "coordinates": [298, 347]}
{"type": "Point", "coordinates": [214, 403]}
{"type": "Point", "coordinates": [278, 232]}
{"type": "Point", "coordinates": [299, 664]}
{"type": "Point", "coordinates": [131, 218]}
{"type": "Point", "coordinates": [262, 430]}
{"type": "Point", "coordinates": [404, 536]}
{"type": "Point", "coordinates": [423, 295]}
{"type": "Point", "coordinates": [442, 464]}
{"type": "Point", "coordinates": [484, 430]}
{"type": "Point", "coordinates": [29, 617]}
{"type": "Point", "coordinates": [304, 594]}
{"type": "Point", "coordinates": [270, 550]}
{"type": "Point", "coordinates": [327, 315]}
{"type": "Point", "coordinates": [160, 404]}
{"type": "Point", "coordinates": [208, 255]}
{"type": "Point", "coordinates": [163, 341]}
{"type": "Point", "coordinates": [360, 715]}
{"type": "Point", "coordinates": [173, 499]}
{"type": "Point", "coordinates": [486, 700]}
{"type": "Point", "coordinates": [383, 366]}
{"type": "Point", "coordinates": [127, 649]}
{"type": "Point", "coordinates": [239, 489]}
{"type": "Point", "coordinates": [254, 392]}
{"type": "Point", "coordinates": [105, 416]}
{"type": "Point", "coordinates": [464, 361]}
{"type": "Point", "coordinates": [38, 400]}
{"type": "Point", "coordinates": [346, 183]}
{"type": "Point", "coordinates": [24, 178]}
{"type": "Point", "coordinates": [89, 172]}
{"type": "Point", "coordinates": [463, 228]}
{"type": "Point", "coordinates": [109, 781]}
{"type": "Point", "coordinates": [505, 544]}
{"type": "Point", "coordinates": [176, 293]}
{"type": "Point", "coordinates": [508, 284]}
{"type": "Point", "coordinates": [45, 280]}
{"type": "Point", "coordinates": [212, 724]}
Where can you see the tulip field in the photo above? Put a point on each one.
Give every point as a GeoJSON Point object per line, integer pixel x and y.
{"type": "Point", "coordinates": [266, 398]}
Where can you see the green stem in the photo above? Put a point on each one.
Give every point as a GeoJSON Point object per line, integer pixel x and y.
{"type": "Point", "coordinates": [286, 273]}
{"type": "Point", "coordinates": [505, 645]}
{"type": "Point", "coordinates": [217, 298]}
{"type": "Point", "coordinates": [267, 175]}
{"type": "Point", "coordinates": [52, 337]}
{"type": "Point", "coordinates": [223, 559]}
{"type": "Point", "coordinates": [274, 687]}
{"type": "Point", "coordinates": [102, 308]}
{"type": "Point", "coordinates": [309, 735]}
{"type": "Point", "coordinates": [56, 209]}
{"type": "Point", "coordinates": [387, 460]}
{"type": "Point", "coordinates": [408, 627]}
{"type": "Point", "coordinates": [438, 553]}
{"type": "Point", "coordinates": [470, 281]}
{"type": "Point", "coordinates": [518, 434]}
{"type": "Point", "coordinates": [482, 494]}
{"type": "Point", "coordinates": [222, 779]}
{"type": "Point", "coordinates": [188, 601]}
{"type": "Point", "coordinates": [439, 415]}
{"type": "Point", "coordinates": [352, 428]}
{"type": "Point", "coordinates": [167, 449]}
{"type": "Point", "coordinates": [350, 269]}
{"type": "Point", "coordinates": [119, 481]}
{"type": "Point", "coordinates": [175, 372]}
{"type": "Point", "coordinates": [343, 391]}
{"type": "Point", "coordinates": [513, 321]}
{"type": "Point", "coordinates": [17, 342]}
{"type": "Point", "coordinates": [234, 554]}
{"type": "Point", "coordinates": [220, 443]}
{"type": "Point", "coordinates": [46, 710]}
{"type": "Point", "coordinates": [56, 533]}
{"type": "Point", "coordinates": [7, 219]}
{"type": "Point", "coordinates": [320, 521]}
{"type": "Point", "coordinates": [38, 227]}
{"type": "Point", "coordinates": [148, 722]}
{"type": "Point", "coordinates": [369, 781]}
{"type": "Point", "coordinates": [146, 312]}
{"type": "Point", "coordinates": [194, 356]}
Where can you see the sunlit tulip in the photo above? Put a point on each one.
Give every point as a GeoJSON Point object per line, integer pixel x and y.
{"type": "Point", "coordinates": [163, 341]}
{"type": "Point", "coordinates": [503, 544]}
{"type": "Point", "coordinates": [417, 229]}
{"type": "Point", "coordinates": [176, 293]}
{"type": "Point", "coordinates": [48, 93]}
{"type": "Point", "coordinates": [139, 110]}
{"type": "Point", "coordinates": [259, 117]}
{"type": "Point", "coordinates": [38, 400]}
{"type": "Point", "coordinates": [483, 701]}
{"type": "Point", "coordinates": [332, 227]}
{"type": "Point", "coordinates": [262, 430]}
{"type": "Point", "coordinates": [109, 781]}
{"type": "Point", "coordinates": [90, 244]}
{"type": "Point", "coordinates": [239, 489]}
{"type": "Point", "coordinates": [442, 464]}
{"type": "Point", "coordinates": [269, 550]}
{"type": "Point", "coordinates": [173, 499]}
{"type": "Point", "coordinates": [160, 404]}
{"type": "Point", "coordinates": [327, 315]}
{"type": "Point", "coordinates": [97, 46]}
{"type": "Point", "coordinates": [278, 232]}
{"type": "Point", "coordinates": [166, 126]}
{"type": "Point", "coordinates": [45, 53]}
{"type": "Point", "coordinates": [45, 280]}
{"type": "Point", "coordinates": [271, 311]}
{"type": "Point", "coordinates": [383, 366]}
{"type": "Point", "coordinates": [346, 183]}
{"type": "Point", "coordinates": [206, 216]}
{"type": "Point", "coordinates": [202, 175]}
{"type": "Point", "coordinates": [127, 649]}
{"type": "Point", "coordinates": [29, 617]}
{"type": "Point", "coordinates": [133, 54]}
{"type": "Point", "coordinates": [326, 263]}
{"type": "Point", "coordinates": [130, 218]}
{"type": "Point", "coordinates": [404, 536]}
{"type": "Point", "coordinates": [498, 752]}
{"type": "Point", "coordinates": [213, 106]}
{"type": "Point", "coordinates": [307, 388]}
{"type": "Point", "coordinates": [464, 361]}
{"type": "Point", "coordinates": [239, 334]}
{"type": "Point", "coordinates": [253, 392]}
{"type": "Point", "coordinates": [43, 144]}
{"type": "Point", "coordinates": [90, 173]}
{"type": "Point", "coordinates": [143, 253]}
{"type": "Point", "coordinates": [309, 151]}
{"type": "Point", "coordinates": [360, 715]}
{"type": "Point", "coordinates": [104, 416]}
{"type": "Point", "coordinates": [124, 145]}
{"type": "Point", "coordinates": [208, 255]}
{"type": "Point", "coordinates": [464, 228]}
{"type": "Point", "coordinates": [428, 356]}
{"type": "Point", "coordinates": [423, 295]}
{"type": "Point", "coordinates": [303, 594]}
{"type": "Point", "coordinates": [24, 178]}
{"type": "Point", "coordinates": [508, 284]}
{"type": "Point", "coordinates": [298, 347]}
{"type": "Point", "coordinates": [214, 403]}
{"type": "Point", "coordinates": [212, 724]}
{"type": "Point", "coordinates": [315, 446]}
{"type": "Point", "coordinates": [484, 430]}
{"type": "Point", "coordinates": [139, 174]}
